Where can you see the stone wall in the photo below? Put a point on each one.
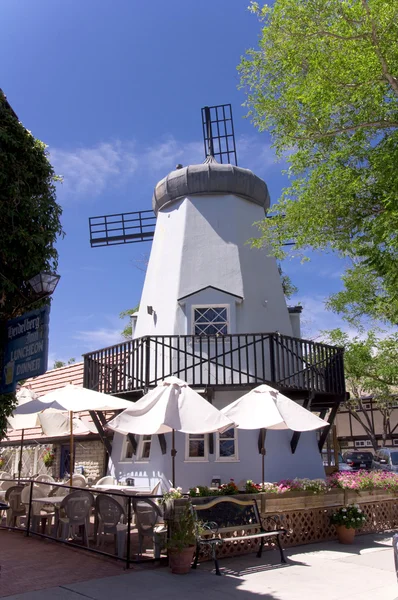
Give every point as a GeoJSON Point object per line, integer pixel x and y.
{"type": "Point", "coordinates": [89, 454]}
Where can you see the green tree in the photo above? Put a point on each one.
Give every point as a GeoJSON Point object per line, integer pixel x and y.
{"type": "Point", "coordinates": [127, 332]}
{"type": "Point", "coordinates": [324, 83]}
{"type": "Point", "coordinates": [59, 363]}
{"type": "Point", "coordinates": [29, 223]}
{"type": "Point", "coordinates": [371, 369]}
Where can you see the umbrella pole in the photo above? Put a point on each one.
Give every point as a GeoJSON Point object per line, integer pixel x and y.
{"type": "Point", "coordinates": [20, 456]}
{"type": "Point", "coordinates": [262, 433]}
{"type": "Point", "coordinates": [71, 449]}
{"type": "Point", "coordinates": [173, 458]}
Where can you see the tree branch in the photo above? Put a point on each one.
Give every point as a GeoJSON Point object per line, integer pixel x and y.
{"type": "Point", "coordinates": [390, 78]}
{"type": "Point", "coordinates": [379, 124]}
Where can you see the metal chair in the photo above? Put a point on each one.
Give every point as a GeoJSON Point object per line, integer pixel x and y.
{"type": "Point", "coordinates": [17, 509]}
{"type": "Point", "coordinates": [107, 480]}
{"type": "Point", "coordinates": [110, 518]}
{"type": "Point", "coordinates": [76, 509]}
{"type": "Point", "coordinates": [147, 514]}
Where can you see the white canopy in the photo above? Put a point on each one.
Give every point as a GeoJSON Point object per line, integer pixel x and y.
{"type": "Point", "coordinates": [172, 405]}
{"type": "Point", "coordinates": [266, 408]}
{"type": "Point", "coordinates": [54, 421]}
{"type": "Point", "coordinates": [74, 398]}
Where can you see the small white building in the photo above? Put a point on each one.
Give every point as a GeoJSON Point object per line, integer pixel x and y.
{"type": "Point", "coordinates": [213, 313]}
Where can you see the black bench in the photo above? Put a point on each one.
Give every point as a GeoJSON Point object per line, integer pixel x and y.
{"type": "Point", "coordinates": [238, 518]}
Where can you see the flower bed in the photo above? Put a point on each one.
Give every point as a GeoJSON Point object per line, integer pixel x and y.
{"type": "Point", "coordinates": [305, 506]}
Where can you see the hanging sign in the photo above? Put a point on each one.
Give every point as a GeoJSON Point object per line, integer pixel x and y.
{"type": "Point", "coordinates": [26, 348]}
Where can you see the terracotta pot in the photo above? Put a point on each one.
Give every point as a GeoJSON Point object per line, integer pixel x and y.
{"type": "Point", "coordinates": [345, 536]}
{"type": "Point", "coordinates": [180, 560]}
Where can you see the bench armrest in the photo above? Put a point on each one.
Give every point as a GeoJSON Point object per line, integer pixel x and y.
{"type": "Point", "coordinates": [275, 519]}
{"type": "Point", "coordinates": [209, 527]}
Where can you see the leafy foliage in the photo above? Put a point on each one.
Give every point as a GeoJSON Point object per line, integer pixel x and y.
{"type": "Point", "coordinates": [323, 83]}
{"type": "Point", "coordinates": [184, 530]}
{"type": "Point", "coordinates": [371, 369]}
{"type": "Point", "coordinates": [127, 332]}
{"type": "Point", "coordinates": [29, 222]}
{"type": "Point", "coordinates": [351, 516]}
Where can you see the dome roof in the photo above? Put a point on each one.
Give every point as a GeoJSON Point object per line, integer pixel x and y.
{"type": "Point", "coordinates": [210, 177]}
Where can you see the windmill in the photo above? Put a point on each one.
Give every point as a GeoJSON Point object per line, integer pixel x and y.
{"type": "Point", "coordinates": [139, 226]}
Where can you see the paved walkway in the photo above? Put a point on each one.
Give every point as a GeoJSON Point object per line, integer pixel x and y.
{"type": "Point", "coordinates": [327, 571]}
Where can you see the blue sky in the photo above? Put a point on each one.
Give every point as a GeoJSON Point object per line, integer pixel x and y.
{"type": "Point", "coordinates": [115, 90]}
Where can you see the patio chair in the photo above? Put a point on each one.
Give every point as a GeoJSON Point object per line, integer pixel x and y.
{"type": "Point", "coordinates": [107, 480]}
{"type": "Point", "coordinates": [57, 490]}
{"type": "Point", "coordinates": [147, 515]}
{"type": "Point", "coordinates": [5, 485]}
{"type": "Point", "coordinates": [5, 475]}
{"type": "Point", "coordinates": [111, 517]}
{"type": "Point", "coordinates": [76, 509]}
{"type": "Point", "coordinates": [45, 478]}
{"type": "Point", "coordinates": [78, 480]}
{"type": "Point", "coordinates": [17, 509]}
{"type": "Point", "coordinates": [40, 514]}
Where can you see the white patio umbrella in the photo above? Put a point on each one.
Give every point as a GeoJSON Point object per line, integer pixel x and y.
{"type": "Point", "coordinates": [53, 422]}
{"type": "Point", "coordinates": [70, 398]}
{"type": "Point", "coordinates": [171, 406]}
{"type": "Point", "coordinates": [266, 408]}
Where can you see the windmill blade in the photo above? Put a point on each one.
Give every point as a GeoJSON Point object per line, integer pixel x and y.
{"type": "Point", "coordinates": [122, 228]}
{"type": "Point", "coordinates": [218, 133]}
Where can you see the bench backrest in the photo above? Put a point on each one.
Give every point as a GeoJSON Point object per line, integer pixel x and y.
{"type": "Point", "coordinates": [228, 513]}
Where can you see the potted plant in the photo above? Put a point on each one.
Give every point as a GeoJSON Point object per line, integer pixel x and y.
{"type": "Point", "coordinates": [48, 457]}
{"type": "Point", "coordinates": [182, 541]}
{"type": "Point", "coordinates": [347, 520]}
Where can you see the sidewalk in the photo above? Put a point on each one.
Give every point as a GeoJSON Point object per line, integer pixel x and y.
{"type": "Point", "coordinates": [326, 571]}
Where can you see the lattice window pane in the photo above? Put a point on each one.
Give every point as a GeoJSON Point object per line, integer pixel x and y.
{"type": "Point", "coordinates": [211, 320]}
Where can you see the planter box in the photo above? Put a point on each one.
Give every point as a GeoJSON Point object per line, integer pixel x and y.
{"type": "Point", "coordinates": [367, 497]}
{"type": "Point", "coordinates": [302, 500]}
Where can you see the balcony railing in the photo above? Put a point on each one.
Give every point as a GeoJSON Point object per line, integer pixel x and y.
{"type": "Point", "coordinates": [231, 361]}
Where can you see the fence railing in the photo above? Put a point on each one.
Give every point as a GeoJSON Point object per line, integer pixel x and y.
{"type": "Point", "coordinates": [47, 516]}
{"type": "Point", "coordinates": [228, 360]}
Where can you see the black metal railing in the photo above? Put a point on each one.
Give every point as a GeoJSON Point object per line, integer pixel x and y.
{"type": "Point", "coordinates": [228, 360]}
{"type": "Point", "coordinates": [25, 514]}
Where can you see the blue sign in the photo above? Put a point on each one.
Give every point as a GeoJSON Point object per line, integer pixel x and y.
{"type": "Point", "coordinates": [26, 348]}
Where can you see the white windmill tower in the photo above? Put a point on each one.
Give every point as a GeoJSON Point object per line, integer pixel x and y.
{"type": "Point", "coordinates": [207, 300]}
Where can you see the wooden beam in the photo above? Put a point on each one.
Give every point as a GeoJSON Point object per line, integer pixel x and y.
{"type": "Point", "coordinates": [162, 442]}
{"type": "Point", "coordinates": [325, 431]}
{"type": "Point", "coordinates": [296, 434]}
{"type": "Point", "coordinates": [101, 432]}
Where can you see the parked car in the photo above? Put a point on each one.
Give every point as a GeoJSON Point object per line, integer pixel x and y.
{"type": "Point", "coordinates": [386, 459]}
{"type": "Point", "coordinates": [358, 460]}
{"type": "Point", "coordinates": [343, 466]}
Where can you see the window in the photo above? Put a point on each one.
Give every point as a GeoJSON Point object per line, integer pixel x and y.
{"type": "Point", "coordinates": [227, 445]}
{"type": "Point", "coordinates": [210, 320]}
{"type": "Point", "coordinates": [363, 443]}
{"type": "Point", "coordinates": [395, 442]}
{"type": "Point", "coordinates": [127, 450]}
{"type": "Point", "coordinates": [197, 447]}
{"type": "Point", "coordinates": [144, 447]}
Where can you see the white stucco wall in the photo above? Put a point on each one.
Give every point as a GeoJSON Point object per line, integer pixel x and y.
{"type": "Point", "coordinates": [202, 241]}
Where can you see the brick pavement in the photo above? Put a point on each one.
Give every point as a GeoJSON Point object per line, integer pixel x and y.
{"type": "Point", "coordinates": [33, 564]}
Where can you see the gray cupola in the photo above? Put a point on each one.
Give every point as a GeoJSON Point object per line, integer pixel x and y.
{"type": "Point", "coordinates": [210, 177]}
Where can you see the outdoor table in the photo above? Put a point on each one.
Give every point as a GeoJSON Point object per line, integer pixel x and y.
{"type": "Point", "coordinates": [125, 489]}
